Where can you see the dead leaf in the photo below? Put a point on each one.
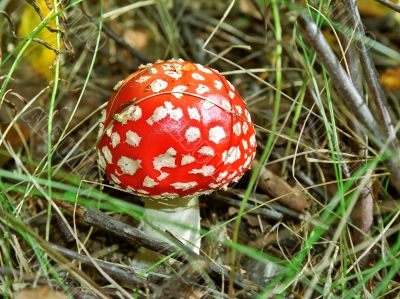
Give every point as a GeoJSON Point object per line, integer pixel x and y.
{"type": "Point", "coordinates": [43, 292]}
{"type": "Point", "coordinates": [391, 79]}
{"type": "Point", "coordinates": [247, 7]}
{"type": "Point", "coordinates": [137, 38]}
{"type": "Point", "coordinates": [278, 188]}
{"type": "Point", "coordinates": [232, 211]}
{"type": "Point", "coordinates": [252, 220]}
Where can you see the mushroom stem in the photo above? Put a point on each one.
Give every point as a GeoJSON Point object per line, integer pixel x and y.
{"type": "Point", "coordinates": [180, 217]}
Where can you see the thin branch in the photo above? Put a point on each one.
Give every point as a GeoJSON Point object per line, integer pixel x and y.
{"type": "Point", "coordinates": [14, 35]}
{"type": "Point", "coordinates": [68, 236]}
{"type": "Point", "coordinates": [132, 51]}
{"type": "Point", "coordinates": [39, 12]}
{"type": "Point", "coordinates": [389, 4]}
{"type": "Point", "coordinates": [136, 237]}
{"type": "Point", "coordinates": [10, 22]}
{"type": "Point", "coordinates": [265, 212]}
{"type": "Point", "coordinates": [348, 91]}
{"type": "Point", "coordinates": [96, 218]}
{"type": "Point", "coordinates": [340, 79]}
{"type": "Point", "coordinates": [124, 277]}
{"type": "Point", "coordinates": [377, 94]}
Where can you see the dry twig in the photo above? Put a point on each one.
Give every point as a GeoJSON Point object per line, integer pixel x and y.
{"type": "Point", "coordinates": [136, 237]}
{"type": "Point", "coordinates": [345, 87]}
{"type": "Point", "coordinates": [389, 4]}
{"type": "Point", "coordinates": [124, 277]}
{"type": "Point", "coordinates": [371, 76]}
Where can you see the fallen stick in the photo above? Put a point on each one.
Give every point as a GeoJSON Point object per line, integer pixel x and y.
{"type": "Point", "coordinates": [348, 91]}
{"type": "Point", "coordinates": [96, 218]}
{"type": "Point", "coordinates": [126, 278]}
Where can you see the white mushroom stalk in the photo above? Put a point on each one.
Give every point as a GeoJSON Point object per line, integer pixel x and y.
{"type": "Point", "coordinates": [179, 217]}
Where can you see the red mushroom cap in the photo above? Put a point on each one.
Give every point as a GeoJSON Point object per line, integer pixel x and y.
{"type": "Point", "coordinates": [175, 129]}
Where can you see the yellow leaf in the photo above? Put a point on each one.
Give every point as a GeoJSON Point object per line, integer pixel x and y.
{"type": "Point", "coordinates": [37, 55]}
{"type": "Point", "coordinates": [391, 79]}
{"type": "Point", "coordinates": [372, 9]}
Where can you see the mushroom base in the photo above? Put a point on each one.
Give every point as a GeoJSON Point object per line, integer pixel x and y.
{"type": "Point", "coordinates": [180, 217]}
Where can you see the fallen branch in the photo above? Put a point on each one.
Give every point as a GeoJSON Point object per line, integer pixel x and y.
{"type": "Point", "coordinates": [124, 277]}
{"type": "Point", "coordinates": [348, 91]}
{"type": "Point", "coordinates": [136, 237]}
{"type": "Point", "coordinates": [377, 94]}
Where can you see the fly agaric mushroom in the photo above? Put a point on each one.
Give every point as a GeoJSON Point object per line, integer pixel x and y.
{"type": "Point", "coordinates": [175, 130]}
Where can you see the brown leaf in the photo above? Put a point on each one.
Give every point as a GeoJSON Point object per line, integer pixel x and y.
{"type": "Point", "coordinates": [247, 7]}
{"type": "Point", "coordinates": [232, 211]}
{"type": "Point", "coordinates": [43, 292]}
{"type": "Point", "coordinates": [252, 220]}
{"type": "Point", "coordinates": [136, 38]}
{"type": "Point", "coordinates": [278, 188]}
{"type": "Point", "coordinates": [363, 218]}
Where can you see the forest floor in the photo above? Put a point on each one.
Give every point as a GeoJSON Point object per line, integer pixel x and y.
{"type": "Point", "coordinates": [317, 216]}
